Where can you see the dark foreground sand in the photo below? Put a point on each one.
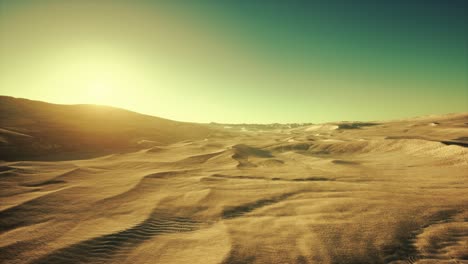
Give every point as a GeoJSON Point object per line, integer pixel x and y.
{"type": "Point", "coordinates": [392, 192]}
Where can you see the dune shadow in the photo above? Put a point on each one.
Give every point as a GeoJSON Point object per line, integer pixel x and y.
{"type": "Point", "coordinates": [102, 249]}
{"type": "Point", "coordinates": [456, 143]}
{"type": "Point", "coordinates": [238, 211]}
{"type": "Point", "coordinates": [44, 183]}
{"type": "Point", "coordinates": [405, 248]}
{"type": "Point", "coordinates": [356, 125]}
{"type": "Point", "coordinates": [313, 179]}
{"type": "Point", "coordinates": [345, 162]}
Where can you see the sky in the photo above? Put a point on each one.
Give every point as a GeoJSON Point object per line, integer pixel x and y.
{"type": "Point", "coordinates": [240, 61]}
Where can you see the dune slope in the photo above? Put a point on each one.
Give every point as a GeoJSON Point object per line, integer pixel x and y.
{"type": "Point", "coordinates": [34, 129]}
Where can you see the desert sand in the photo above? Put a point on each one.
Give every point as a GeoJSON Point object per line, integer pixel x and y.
{"type": "Point", "coordinates": [347, 192]}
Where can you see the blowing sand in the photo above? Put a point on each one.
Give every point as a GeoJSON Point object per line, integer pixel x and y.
{"type": "Point", "coordinates": [389, 192]}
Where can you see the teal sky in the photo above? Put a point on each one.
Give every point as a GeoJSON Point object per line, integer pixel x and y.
{"type": "Point", "coordinates": [240, 61]}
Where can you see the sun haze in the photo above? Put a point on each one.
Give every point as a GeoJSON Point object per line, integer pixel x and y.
{"type": "Point", "coordinates": [216, 61]}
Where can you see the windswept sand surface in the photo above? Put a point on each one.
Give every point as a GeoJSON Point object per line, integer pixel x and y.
{"type": "Point", "coordinates": [392, 192]}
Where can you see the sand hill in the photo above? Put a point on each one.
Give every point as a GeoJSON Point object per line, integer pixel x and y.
{"type": "Point", "coordinates": [38, 130]}
{"type": "Point", "coordinates": [379, 192]}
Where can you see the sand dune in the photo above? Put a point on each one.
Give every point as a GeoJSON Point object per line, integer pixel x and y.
{"type": "Point", "coordinates": [390, 192]}
{"type": "Point", "coordinates": [37, 130]}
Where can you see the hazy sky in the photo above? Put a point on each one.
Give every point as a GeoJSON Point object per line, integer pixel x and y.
{"type": "Point", "coordinates": [240, 61]}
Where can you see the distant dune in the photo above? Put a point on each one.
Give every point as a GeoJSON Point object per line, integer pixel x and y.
{"type": "Point", "coordinates": [170, 192]}
{"type": "Point", "coordinates": [38, 130]}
